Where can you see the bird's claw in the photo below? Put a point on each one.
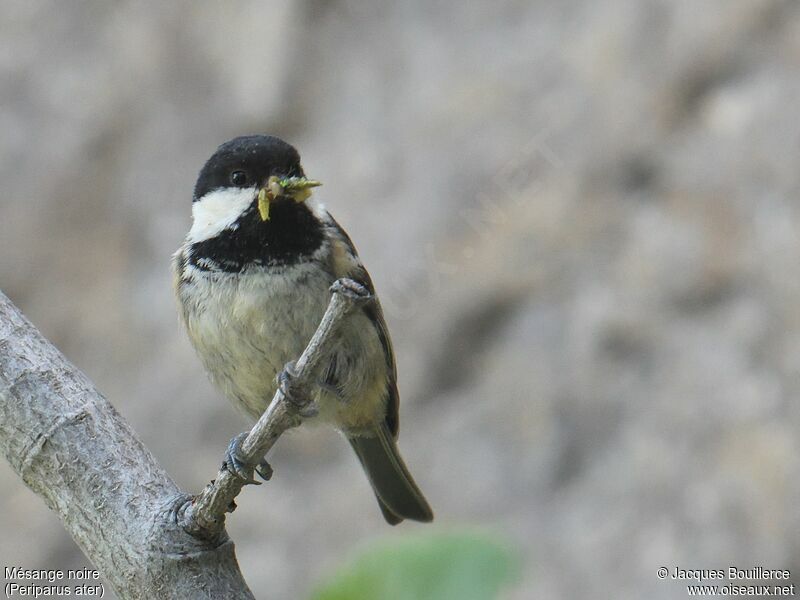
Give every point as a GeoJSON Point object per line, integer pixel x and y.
{"type": "Point", "coordinates": [355, 291]}
{"type": "Point", "coordinates": [264, 470]}
{"type": "Point", "coordinates": [242, 469]}
{"type": "Point", "coordinates": [296, 393]}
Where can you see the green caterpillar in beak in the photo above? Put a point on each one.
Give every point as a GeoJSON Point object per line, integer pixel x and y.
{"type": "Point", "coordinates": [298, 188]}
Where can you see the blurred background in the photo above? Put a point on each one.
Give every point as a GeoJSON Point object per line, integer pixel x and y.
{"type": "Point", "coordinates": [581, 218]}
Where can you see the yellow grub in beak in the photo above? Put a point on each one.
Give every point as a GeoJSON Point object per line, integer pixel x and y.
{"type": "Point", "coordinates": [298, 188]}
{"type": "Point", "coordinates": [263, 204]}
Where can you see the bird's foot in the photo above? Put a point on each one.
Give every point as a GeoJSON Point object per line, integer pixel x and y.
{"type": "Point", "coordinates": [296, 393]}
{"type": "Point", "coordinates": [355, 291]}
{"type": "Point", "coordinates": [241, 468]}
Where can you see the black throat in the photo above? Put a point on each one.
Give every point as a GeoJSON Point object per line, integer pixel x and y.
{"type": "Point", "coordinates": [290, 236]}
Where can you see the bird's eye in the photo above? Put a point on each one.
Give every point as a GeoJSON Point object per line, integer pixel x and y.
{"type": "Point", "coordinates": [239, 178]}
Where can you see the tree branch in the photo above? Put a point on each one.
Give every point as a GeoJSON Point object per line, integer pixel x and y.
{"type": "Point", "coordinates": [204, 517]}
{"type": "Point", "coordinates": [126, 514]}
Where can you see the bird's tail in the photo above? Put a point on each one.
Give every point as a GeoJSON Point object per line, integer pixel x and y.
{"type": "Point", "coordinates": [398, 495]}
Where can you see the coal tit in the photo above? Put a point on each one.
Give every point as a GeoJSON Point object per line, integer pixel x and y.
{"type": "Point", "coordinates": [252, 281]}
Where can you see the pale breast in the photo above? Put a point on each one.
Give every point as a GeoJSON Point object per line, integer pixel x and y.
{"type": "Point", "coordinates": [247, 327]}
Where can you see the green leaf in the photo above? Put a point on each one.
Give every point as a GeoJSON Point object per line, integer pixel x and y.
{"type": "Point", "coordinates": [426, 567]}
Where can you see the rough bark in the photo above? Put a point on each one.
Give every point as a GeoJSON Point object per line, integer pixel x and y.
{"type": "Point", "coordinates": [74, 450]}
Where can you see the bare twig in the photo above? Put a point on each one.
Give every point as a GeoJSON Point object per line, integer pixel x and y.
{"type": "Point", "coordinates": [204, 517]}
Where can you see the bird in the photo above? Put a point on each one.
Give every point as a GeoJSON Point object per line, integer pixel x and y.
{"type": "Point", "coordinates": [252, 281]}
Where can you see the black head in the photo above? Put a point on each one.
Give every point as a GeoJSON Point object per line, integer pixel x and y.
{"type": "Point", "coordinates": [247, 162]}
{"type": "Point", "coordinates": [236, 224]}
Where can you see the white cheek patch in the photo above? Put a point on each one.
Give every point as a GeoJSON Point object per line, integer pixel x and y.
{"type": "Point", "coordinates": [217, 211]}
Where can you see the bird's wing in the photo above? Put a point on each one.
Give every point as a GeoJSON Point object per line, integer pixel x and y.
{"type": "Point", "coordinates": [346, 263]}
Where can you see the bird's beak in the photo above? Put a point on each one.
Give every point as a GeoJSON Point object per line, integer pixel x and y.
{"type": "Point", "coordinates": [298, 188]}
